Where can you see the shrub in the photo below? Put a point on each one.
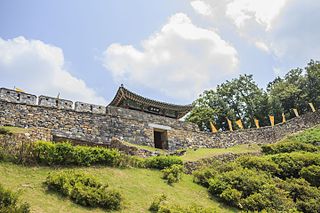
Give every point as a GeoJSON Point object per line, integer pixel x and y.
{"type": "Point", "coordinates": [268, 198]}
{"type": "Point", "coordinates": [311, 174]}
{"type": "Point", "coordinates": [307, 198]}
{"type": "Point", "coordinates": [245, 180]}
{"type": "Point", "coordinates": [231, 196]}
{"type": "Point", "coordinates": [259, 163]}
{"type": "Point", "coordinates": [174, 208]}
{"type": "Point", "coordinates": [288, 146]}
{"type": "Point", "coordinates": [160, 204]}
{"type": "Point", "coordinates": [84, 190]}
{"type": "Point", "coordinates": [249, 190]}
{"type": "Point", "coordinates": [173, 173]}
{"type": "Point", "coordinates": [203, 175]}
{"type": "Point", "coordinates": [155, 205]}
{"type": "Point", "coordinates": [292, 163]}
{"type": "Point", "coordinates": [2, 154]}
{"type": "Point", "coordinates": [9, 202]}
{"type": "Point", "coordinates": [4, 131]}
{"type": "Point", "coordinates": [162, 161]}
{"type": "Point", "coordinates": [49, 153]}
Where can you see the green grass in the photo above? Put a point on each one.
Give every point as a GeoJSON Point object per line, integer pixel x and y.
{"type": "Point", "coordinates": [138, 186]}
{"type": "Point", "coordinates": [14, 130]}
{"type": "Point", "coordinates": [308, 136]}
{"type": "Point", "coordinates": [194, 155]}
{"type": "Point", "coordinates": [149, 148]}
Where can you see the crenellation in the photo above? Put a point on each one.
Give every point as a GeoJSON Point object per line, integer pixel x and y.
{"type": "Point", "coordinates": [17, 97]}
{"type": "Point", "coordinates": [100, 125]}
{"type": "Point", "coordinates": [85, 107]}
{"type": "Point", "coordinates": [55, 102]}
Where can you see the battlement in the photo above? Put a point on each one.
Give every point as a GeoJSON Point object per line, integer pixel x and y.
{"type": "Point", "coordinates": [17, 97]}
{"type": "Point", "coordinates": [99, 124]}
{"type": "Point", "coordinates": [85, 107]}
{"type": "Point", "coordinates": [14, 96]}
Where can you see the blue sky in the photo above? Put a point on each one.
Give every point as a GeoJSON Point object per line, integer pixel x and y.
{"type": "Point", "coordinates": [166, 50]}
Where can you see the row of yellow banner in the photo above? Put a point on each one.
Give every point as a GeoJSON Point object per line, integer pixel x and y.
{"type": "Point", "coordinates": [256, 121]}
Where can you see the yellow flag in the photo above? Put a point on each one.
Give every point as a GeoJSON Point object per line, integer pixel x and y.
{"type": "Point", "coordinates": [283, 118]}
{"type": "Point", "coordinates": [18, 90]}
{"type": "Point", "coordinates": [213, 128]}
{"type": "Point", "coordinates": [239, 123]}
{"type": "Point", "coordinates": [256, 121]}
{"type": "Point", "coordinates": [230, 125]}
{"type": "Point", "coordinates": [296, 112]}
{"type": "Point", "coordinates": [312, 107]}
{"type": "Point", "coordinates": [271, 117]}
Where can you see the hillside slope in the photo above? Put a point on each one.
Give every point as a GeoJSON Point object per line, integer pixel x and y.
{"type": "Point", "coordinates": [139, 187]}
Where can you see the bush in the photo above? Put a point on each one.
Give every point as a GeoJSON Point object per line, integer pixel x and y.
{"type": "Point", "coordinates": [160, 204]}
{"type": "Point", "coordinates": [292, 163]}
{"type": "Point", "coordinates": [162, 161]}
{"type": "Point", "coordinates": [311, 174]}
{"type": "Point", "coordinates": [49, 153]}
{"type": "Point", "coordinates": [231, 196]}
{"type": "Point", "coordinates": [269, 198]}
{"type": "Point", "coordinates": [259, 163]}
{"type": "Point", "coordinates": [9, 202]}
{"type": "Point", "coordinates": [84, 190]}
{"type": "Point", "coordinates": [173, 173]}
{"type": "Point", "coordinates": [288, 146]}
{"type": "Point", "coordinates": [155, 205]}
{"type": "Point", "coordinates": [2, 154]}
{"type": "Point", "coordinates": [244, 180]}
{"type": "Point", "coordinates": [249, 190]}
{"type": "Point", "coordinates": [203, 175]}
{"type": "Point", "coordinates": [4, 131]}
{"type": "Point", "coordinates": [307, 198]}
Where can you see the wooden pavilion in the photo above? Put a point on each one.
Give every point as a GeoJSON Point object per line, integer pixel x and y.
{"type": "Point", "coordinates": [127, 99]}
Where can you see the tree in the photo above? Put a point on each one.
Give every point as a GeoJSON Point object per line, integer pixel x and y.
{"type": "Point", "coordinates": [313, 82]}
{"type": "Point", "coordinates": [288, 93]}
{"type": "Point", "coordinates": [239, 98]}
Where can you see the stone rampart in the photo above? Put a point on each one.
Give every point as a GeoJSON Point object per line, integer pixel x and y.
{"type": "Point", "coordinates": [98, 124]}
{"type": "Point", "coordinates": [17, 97]}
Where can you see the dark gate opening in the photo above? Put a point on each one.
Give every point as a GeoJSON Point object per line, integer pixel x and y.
{"type": "Point", "coordinates": [160, 139]}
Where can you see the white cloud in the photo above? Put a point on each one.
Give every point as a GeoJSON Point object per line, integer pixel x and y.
{"type": "Point", "coordinates": [201, 7]}
{"type": "Point", "coordinates": [262, 46]}
{"type": "Point", "coordinates": [283, 28]}
{"type": "Point", "coordinates": [180, 60]}
{"type": "Point", "coordinates": [39, 68]}
{"type": "Point", "coordinates": [263, 12]}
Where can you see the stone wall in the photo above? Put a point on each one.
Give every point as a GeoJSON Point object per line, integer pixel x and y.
{"type": "Point", "coordinates": [263, 135]}
{"type": "Point", "coordinates": [85, 126]}
{"type": "Point", "coordinates": [85, 107]}
{"type": "Point", "coordinates": [17, 97]}
{"type": "Point", "coordinates": [55, 102]}
{"type": "Point", "coordinates": [99, 125]}
{"type": "Point", "coordinates": [15, 144]}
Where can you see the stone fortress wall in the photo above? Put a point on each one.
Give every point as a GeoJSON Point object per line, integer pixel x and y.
{"type": "Point", "coordinates": [96, 124]}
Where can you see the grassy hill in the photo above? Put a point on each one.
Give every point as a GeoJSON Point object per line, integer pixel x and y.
{"type": "Point", "coordinates": [139, 187]}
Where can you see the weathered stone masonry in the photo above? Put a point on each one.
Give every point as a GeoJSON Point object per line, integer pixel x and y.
{"type": "Point", "coordinates": [99, 124]}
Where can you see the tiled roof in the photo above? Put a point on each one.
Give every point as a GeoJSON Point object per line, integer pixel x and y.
{"type": "Point", "coordinates": [123, 94]}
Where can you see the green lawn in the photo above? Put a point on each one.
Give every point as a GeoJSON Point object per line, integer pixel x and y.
{"type": "Point", "coordinates": [194, 155]}
{"type": "Point", "coordinates": [138, 187]}
{"type": "Point", "coordinates": [149, 148]}
{"type": "Point", "coordinates": [307, 136]}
